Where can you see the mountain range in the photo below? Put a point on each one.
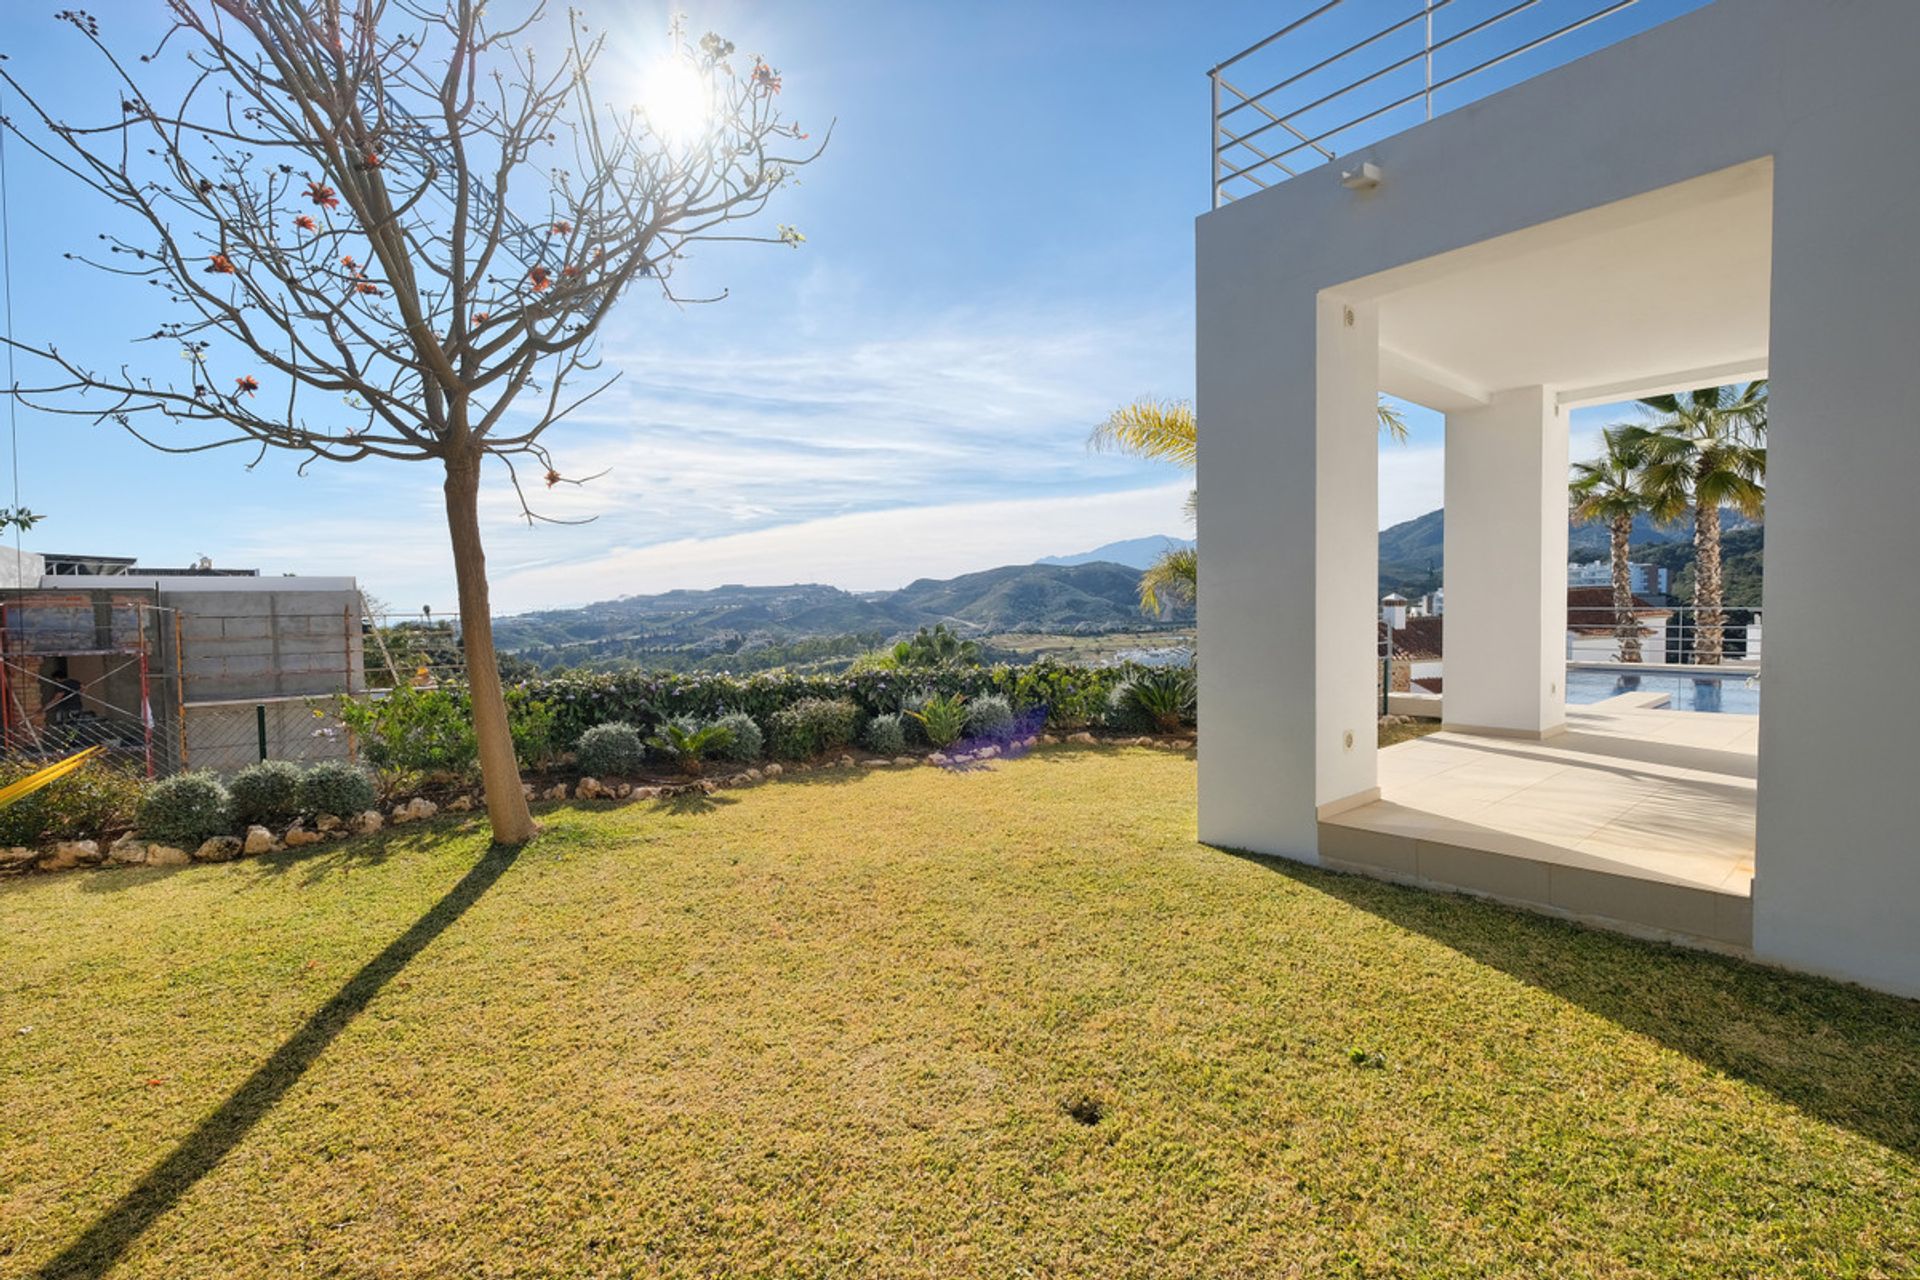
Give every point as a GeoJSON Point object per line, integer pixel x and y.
{"type": "Point", "coordinates": [1135, 553]}
{"type": "Point", "coordinates": [688, 628]}
{"type": "Point", "coordinates": [1413, 552]}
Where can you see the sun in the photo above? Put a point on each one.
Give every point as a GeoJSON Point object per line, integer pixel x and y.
{"type": "Point", "coordinates": [677, 101]}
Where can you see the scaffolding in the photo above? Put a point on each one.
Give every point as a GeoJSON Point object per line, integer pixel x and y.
{"type": "Point", "coordinates": [86, 668]}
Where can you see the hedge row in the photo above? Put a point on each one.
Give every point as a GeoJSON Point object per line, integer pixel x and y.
{"type": "Point", "coordinates": [1074, 696]}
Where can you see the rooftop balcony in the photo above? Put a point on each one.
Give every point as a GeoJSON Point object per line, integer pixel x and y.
{"type": "Point", "coordinates": [1333, 80]}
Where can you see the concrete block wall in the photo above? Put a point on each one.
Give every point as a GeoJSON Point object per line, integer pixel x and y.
{"type": "Point", "coordinates": [268, 644]}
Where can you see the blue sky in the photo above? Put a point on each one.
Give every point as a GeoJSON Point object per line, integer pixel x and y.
{"type": "Point", "coordinates": [999, 249]}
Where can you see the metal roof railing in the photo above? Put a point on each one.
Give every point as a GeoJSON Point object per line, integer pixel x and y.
{"type": "Point", "coordinates": [1344, 81]}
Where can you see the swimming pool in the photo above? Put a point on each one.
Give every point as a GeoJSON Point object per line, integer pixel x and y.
{"type": "Point", "coordinates": [1732, 692]}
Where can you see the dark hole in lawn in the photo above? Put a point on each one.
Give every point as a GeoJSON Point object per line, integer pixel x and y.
{"type": "Point", "coordinates": [1084, 1109]}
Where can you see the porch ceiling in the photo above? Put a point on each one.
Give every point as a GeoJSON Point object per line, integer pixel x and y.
{"type": "Point", "coordinates": [1662, 291]}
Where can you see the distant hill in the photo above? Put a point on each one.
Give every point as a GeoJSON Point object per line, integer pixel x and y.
{"type": "Point", "coordinates": [748, 628]}
{"type": "Point", "coordinates": [1413, 553]}
{"type": "Point", "coordinates": [1135, 553]}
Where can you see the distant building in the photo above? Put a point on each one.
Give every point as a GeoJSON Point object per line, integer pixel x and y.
{"type": "Point", "coordinates": [1646, 579]}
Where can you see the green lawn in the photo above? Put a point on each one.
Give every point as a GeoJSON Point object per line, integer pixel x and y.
{"type": "Point", "coordinates": [855, 1025]}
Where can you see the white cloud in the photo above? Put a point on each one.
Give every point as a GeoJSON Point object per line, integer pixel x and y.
{"type": "Point", "coordinates": [868, 550]}
{"type": "Point", "coordinates": [866, 461]}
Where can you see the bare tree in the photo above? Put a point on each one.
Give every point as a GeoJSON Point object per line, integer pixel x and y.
{"type": "Point", "coordinates": [391, 229]}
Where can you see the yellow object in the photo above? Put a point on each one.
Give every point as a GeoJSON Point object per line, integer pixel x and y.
{"type": "Point", "coordinates": [42, 777]}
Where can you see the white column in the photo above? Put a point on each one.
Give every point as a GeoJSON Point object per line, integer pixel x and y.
{"type": "Point", "coordinates": [1505, 666]}
{"type": "Point", "coordinates": [1346, 555]}
{"type": "Point", "coordinates": [1288, 549]}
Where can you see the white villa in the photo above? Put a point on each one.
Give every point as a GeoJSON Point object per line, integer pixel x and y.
{"type": "Point", "coordinates": [1715, 196]}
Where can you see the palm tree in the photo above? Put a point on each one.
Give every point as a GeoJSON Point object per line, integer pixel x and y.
{"type": "Point", "coordinates": [938, 646]}
{"type": "Point", "coordinates": [1172, 579]}
{"type": "Point", "coordinates": [1167, 431]}
{"type": "Point", "coordinates": [1704, 450]}
{"type": "Point", "coordinates": [1608, 490]}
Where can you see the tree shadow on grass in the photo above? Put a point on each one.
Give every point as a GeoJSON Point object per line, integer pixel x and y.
{"type": "Point", "coordinates": [101, 1245]}
{"type": "Point", "coordinates": [1840, 1053]}
{"type": "Point", "coordinates": [692, 802]}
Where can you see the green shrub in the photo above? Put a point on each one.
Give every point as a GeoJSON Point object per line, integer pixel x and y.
{"type": "Point", "coordinates": [885, 735]}
{"type": "Point", "coordinates": [531, 721]}
{"type": "Point", "coordinates": [1072, 695]}
{"type": "Point", "coordinates": [990, 716]}
{"type": "Point", "coordinates": [267, 793]}
{"type": "Point", "coordinates": [813, 725]}
{"type": "Point", "coordinates": [942, 719]}
{"type": "Point", "coordinates": [1160, 699]}
{"type": "Point", "coordinates": [744, 740]}
{"type": "Point", "coordinates": [689, 744]}
{"type": "Point", "coordinates": [429, 730]}
{"type": "Point", "coordinates": [336, 787]}
{"type": "Point", "coordinates": [1121, 714]}
{"type": "Point", "coordinates": [612, 750]}
{"type": "Point", "coordinates": [92, 801]}
{"type": "Point", "coordinates": [185, 810]}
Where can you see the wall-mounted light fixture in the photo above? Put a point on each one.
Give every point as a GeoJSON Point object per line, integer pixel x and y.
{"type": "Point", "coordinates": [1365, 178]}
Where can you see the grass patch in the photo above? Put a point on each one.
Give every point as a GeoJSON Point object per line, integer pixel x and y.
{"type": "Point", "coordinates": [914, 1023]}
{"type": "Point", "coordinates": [1406, 731]}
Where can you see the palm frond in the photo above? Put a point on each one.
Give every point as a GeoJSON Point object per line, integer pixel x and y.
{"type": "Point", "coordinates": [1172, 579]}
{"type": "Point", "coordinates": [1160, 431]}
{"type": "Point", "coordinates": [1392, 421]}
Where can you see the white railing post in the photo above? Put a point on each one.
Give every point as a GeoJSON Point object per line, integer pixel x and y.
{"type": "Point", "coordinates": [1213, 137]}
{"type": "Point", "coordinates": [1429, 59]}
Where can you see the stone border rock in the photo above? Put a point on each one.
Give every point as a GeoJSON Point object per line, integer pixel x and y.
{"type": "Point", "coordinates": [131, 851]}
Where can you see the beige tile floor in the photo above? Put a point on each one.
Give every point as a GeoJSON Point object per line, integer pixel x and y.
{"type": "Point", "coordinates": [1635, 813]}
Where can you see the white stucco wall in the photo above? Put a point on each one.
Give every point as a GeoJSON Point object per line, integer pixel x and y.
{"type": "Point", "coordinates": [1826, 93]}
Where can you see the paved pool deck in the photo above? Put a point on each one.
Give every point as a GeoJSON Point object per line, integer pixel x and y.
{"type": "Point", "coordinates": [1636, 818]}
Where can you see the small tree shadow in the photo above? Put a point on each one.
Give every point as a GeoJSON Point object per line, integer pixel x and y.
{"type": "Point", "coordinates": [1841, 1053]}
{"type": "Point", "coordinates": [692, 802]}
{"type": "Point", "coordinates": [101, 1245]}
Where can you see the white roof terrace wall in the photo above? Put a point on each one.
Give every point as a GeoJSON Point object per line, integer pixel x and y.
{"type": "Point", "coordinates": [1829, 93]}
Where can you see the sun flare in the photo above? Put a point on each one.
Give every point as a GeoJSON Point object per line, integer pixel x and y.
{"type": "Point", "coordinates": [678, 101]}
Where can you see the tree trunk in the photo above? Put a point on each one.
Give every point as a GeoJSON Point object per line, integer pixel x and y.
{"type": "Point", "coordinates": [1626, 627]}
{"type": "Point", "coordinates": [1709, 619]}
{"type": "Point", "coordinates": [499, 772]}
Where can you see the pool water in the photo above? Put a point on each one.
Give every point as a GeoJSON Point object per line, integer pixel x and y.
{"type": "Point", "coordinates": [1733, 692]}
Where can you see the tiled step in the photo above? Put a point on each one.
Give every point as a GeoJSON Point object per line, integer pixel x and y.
{"type": "Point", "coordinates": [1437, 853]}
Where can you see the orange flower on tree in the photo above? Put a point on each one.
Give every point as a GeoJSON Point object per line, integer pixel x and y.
{"type": "Point", "coordinates": [367, 286]}
{"type": "Point", "coordinates": [323, 195]}
{"type": "Point", "coordinates": [569, 273]}
{"type": "Point", "coordinates": [220, 264]}
{"type": "Point", "coordinates": [553, 477]}
{"type": "Point", "coordinates": [563, 228]}
{"type": "Point", "coordinates": [305, 223]}
{"type": "Point", "coordinates": [765, 78]}
{"type": "Point", "coordinates": [540, 279]}
{"type": "Point", "coordinates": [246, 385]}
{"type": "Point", "coordinates": [479, 318]}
